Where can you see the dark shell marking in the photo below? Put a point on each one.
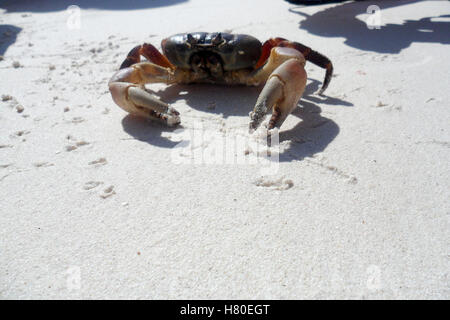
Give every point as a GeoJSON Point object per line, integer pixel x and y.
{"type": "Point", "coordinates": [235, 51]}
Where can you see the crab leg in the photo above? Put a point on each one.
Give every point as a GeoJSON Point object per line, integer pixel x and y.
{"type": "Point", "coordinates": [315, 57]}
{"type": "Point", "coordinates": [149, 52]}
{"type": "Point", "coordinates": [309, 54]}
{"type": "Point", "coordinates": [128, 91]}
{"type": "Point", "coordinates": [283, 89]}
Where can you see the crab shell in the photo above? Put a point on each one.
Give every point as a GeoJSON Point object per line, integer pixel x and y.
{"type": "Point", "coordinates": [237, 51]}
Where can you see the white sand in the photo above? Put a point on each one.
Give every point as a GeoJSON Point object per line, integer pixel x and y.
{"type": "Point", "coordinates": [94, 205]}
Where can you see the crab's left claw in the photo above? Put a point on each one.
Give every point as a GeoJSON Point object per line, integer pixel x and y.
{"type": "Point", "coordinates": [281, 93]}
{"type": "Point", "coordinates": [138, 101]}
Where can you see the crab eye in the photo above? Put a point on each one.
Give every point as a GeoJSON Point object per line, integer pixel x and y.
{"type": "Point", "coordinates": [191, 40]}
{"type": "Point", "coordinates": [196, 62]}
{"type": "Point", "coordinates": [218, 39]}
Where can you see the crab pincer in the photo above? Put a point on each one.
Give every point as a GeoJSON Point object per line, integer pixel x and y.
{"type": "Point", "coordinates": [128, 92]}
{"type": "Point", "coordinates": [281, 93]}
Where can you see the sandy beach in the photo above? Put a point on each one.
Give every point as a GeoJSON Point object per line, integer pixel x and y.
{"type": "Point", "coordinates": [99, 204]}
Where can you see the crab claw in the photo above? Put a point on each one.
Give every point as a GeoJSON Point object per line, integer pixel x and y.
{"type": "Point", "coordinates": [281, 93]}
{"type": "Point", "coordinates": [137, 101]}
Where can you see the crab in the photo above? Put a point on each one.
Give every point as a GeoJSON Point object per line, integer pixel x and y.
{"type": "Point", "coordinates": [219, 58]}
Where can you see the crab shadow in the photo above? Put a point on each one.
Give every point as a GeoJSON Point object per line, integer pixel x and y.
{"type": "Point", "coordinates": [148, 131]}
{"type": "Point", "coordinates": [314, 132]}
{"type": "Point", "coordinates": [340, 21]}
{"type": "Point", "coordinates": [309, 136]}
{"type": "Point", "coordinates": [234, 101]}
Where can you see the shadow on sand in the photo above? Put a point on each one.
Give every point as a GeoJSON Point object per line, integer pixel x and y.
{"type": "Point", "coordinates": [8, 35]}
{"type": "Point", "coordinates": [341, 21]}
{"type": "Point", "coordinates": [309, 136]}
{"type": "Point", "coordinates": [52, 5]}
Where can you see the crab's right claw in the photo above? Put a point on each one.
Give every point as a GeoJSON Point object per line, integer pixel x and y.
{"type": "Point", "coordinates": [281, 94]}
{"type": "Point", "coordinates": [138, 101]}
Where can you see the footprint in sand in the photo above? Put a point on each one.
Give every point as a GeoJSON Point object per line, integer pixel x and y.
{"type": "Point", "coordinates": [274, 183]}
{"type": "Point", "coordinates": [77, 144]}
{"type": "Point", "coordinates": [98, 162]}
{"type": "Point", "coordinates": [81, 143]}
{"type": "Point", "coordinates": [43, 164]}
{"type": "Point", "coordinates": [108, 192]}
{"type": "Point", "coordinates": [70, 148]}
{"type": "Point", "coordinates": [7, 97]}
{"type": "Point", "coordinates": [21, 133]}
{"type": "Point", "coordinates": [91, 185]}
{"type": "Point", "coordinates": [77, 120]}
